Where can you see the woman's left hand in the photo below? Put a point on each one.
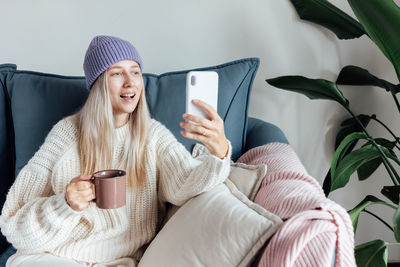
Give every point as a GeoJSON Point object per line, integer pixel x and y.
{"type": "Point", "coordinates": [208, 131]}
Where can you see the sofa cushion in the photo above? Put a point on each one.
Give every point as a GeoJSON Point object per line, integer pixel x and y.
{"type": "Point", "coordinates": [6, 254]}
{"type": "Point", "coordinates": [39, 100]}
{"type": "Point", "coordinates": [220, 227]}
{"type": "Point", "coordinates": [6, 142]}
{"type": "Point", "coordinates": [261, 133]}
{"type": "Point", "coordinates": [6, 138]}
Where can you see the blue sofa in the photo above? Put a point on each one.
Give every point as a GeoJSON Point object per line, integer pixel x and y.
{"type": "Point", "coordinates": [32, 102]}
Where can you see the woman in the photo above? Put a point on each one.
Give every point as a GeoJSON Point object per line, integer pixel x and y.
{"type": "Point", "coordinates": [49, 215]}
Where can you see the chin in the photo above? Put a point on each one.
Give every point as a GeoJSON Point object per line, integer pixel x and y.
{"type": "Point", "coordinates": [130, 110]}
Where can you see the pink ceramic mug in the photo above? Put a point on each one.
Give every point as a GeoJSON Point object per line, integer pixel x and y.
{"type": "Point", "coordinates": [110, 188]}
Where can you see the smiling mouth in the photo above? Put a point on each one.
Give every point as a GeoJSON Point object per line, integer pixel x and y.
{"type": "Point", "coordinates": [127, 96]}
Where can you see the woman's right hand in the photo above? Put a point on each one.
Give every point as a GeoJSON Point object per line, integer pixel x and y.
{"type": "Point", "coordinates": [80, 192]}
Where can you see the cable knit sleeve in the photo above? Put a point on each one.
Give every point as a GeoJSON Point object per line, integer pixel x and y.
{"type": "Point", "coordinates": [33, 218]}
{"type": "Point", "coordinates": [181, 176]}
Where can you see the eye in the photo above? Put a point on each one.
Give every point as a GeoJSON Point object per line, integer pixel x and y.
{"type": "Point", "coordinates": [136, 73]}
{"type": "Point", "coordinates": [115, 74]}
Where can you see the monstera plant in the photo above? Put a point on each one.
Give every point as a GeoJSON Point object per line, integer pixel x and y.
{"type": "Point", "coordinates": [379, 20]}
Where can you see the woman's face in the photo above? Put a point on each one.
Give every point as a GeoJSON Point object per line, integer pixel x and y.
{"type": "Point", "coordinates": [125, 84]}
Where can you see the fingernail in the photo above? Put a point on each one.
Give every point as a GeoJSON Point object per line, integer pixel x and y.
{"type": "Point", "coordinates": [181, 124]}
{"type": "Point", "coordinates": [195, 101]}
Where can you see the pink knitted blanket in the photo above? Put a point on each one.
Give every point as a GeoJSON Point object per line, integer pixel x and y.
{"type": "Point", "coordinates": [313, 225]}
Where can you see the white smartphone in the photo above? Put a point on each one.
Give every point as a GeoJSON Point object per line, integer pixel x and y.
{"type": "Point", "coordinates": [202, 85]}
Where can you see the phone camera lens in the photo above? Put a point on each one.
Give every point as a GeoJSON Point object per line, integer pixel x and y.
{"type": "Point", "coordinates": [193, 80]}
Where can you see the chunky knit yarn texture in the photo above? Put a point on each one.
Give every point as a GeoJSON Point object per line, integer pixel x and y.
{"type": "Point", "coordinates": [36, 218]}
{"type": "Point", "coordinates": [315, 227]}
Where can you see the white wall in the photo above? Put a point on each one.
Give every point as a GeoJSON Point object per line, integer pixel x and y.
{"type": "Point", "coordinates": [52, 36]}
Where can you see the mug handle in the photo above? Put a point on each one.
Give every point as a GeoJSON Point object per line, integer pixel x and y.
{"type": "Point", "coordinates": [93, 188]}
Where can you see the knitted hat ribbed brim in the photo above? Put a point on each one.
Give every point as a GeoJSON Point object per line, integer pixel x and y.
{"type": "Point", "coordinates": [104, 51]}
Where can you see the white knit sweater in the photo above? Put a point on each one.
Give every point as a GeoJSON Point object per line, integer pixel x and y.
{"type": "Point", "coordinates": [36, 218]}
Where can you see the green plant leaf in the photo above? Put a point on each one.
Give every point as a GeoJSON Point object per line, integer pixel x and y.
{"type": "Point", "coordinates": [367, 201]}
{"type": "Point", "coordinates": [352, 122]}
{"type": "Point", "coordinates": [312, 88]}
{"type": "Point", "coordinates": [340, 151]}
{"type": "Point", "coordinates": [353, 75]}
{"type": "Point", "coordinates": [392, 193]}
{"type": "Point", "coordinates": [325, 14]}
{"type": "Point", "coordinates": [390, 153]}
{"type": "Point", "coordinates": [386, 143]}
{"type": "Point", "coordinates": [381, 20]}
{"type": "Point", "coordinates": [350, 163]}
{"type": "Point", "coordinates": [372, 254]}
{"type": "Point", "coordinates": [396, 224]}
{"type": "Point", "coordinates": [367, 169]}
{"type": "Point", "coordinates": [353, 161]}
{"type": "Point", "coordinates": [326, 186]}
{"type": "Point", "coordinates": [349, 126]}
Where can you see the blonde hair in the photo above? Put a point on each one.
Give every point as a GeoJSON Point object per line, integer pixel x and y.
{"type": "Point", "coordinates": [95, 123]}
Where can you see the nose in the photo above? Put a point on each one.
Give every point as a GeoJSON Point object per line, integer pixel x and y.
{"type": "Point", "coordinates": [128, 81]}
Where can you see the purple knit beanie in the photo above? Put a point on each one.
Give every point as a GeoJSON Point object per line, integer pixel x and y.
{"type": "Point", "coordinates": [104, 51]}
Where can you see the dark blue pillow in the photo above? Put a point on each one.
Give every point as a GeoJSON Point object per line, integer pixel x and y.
{"type": "Point", "coordinates": [38, 101]}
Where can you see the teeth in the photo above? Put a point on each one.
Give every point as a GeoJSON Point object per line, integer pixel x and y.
{"type": "Point", "coordinates": [128, 95]}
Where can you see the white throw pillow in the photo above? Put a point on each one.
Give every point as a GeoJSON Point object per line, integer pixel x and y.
{"type": "Point", "coordinates": [247, 178]}
{"type": "Point", "coordinates": [221, 227]}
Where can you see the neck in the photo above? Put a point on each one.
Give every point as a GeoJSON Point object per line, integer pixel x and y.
{"type": "Point", "coordinates": [120, 120]}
